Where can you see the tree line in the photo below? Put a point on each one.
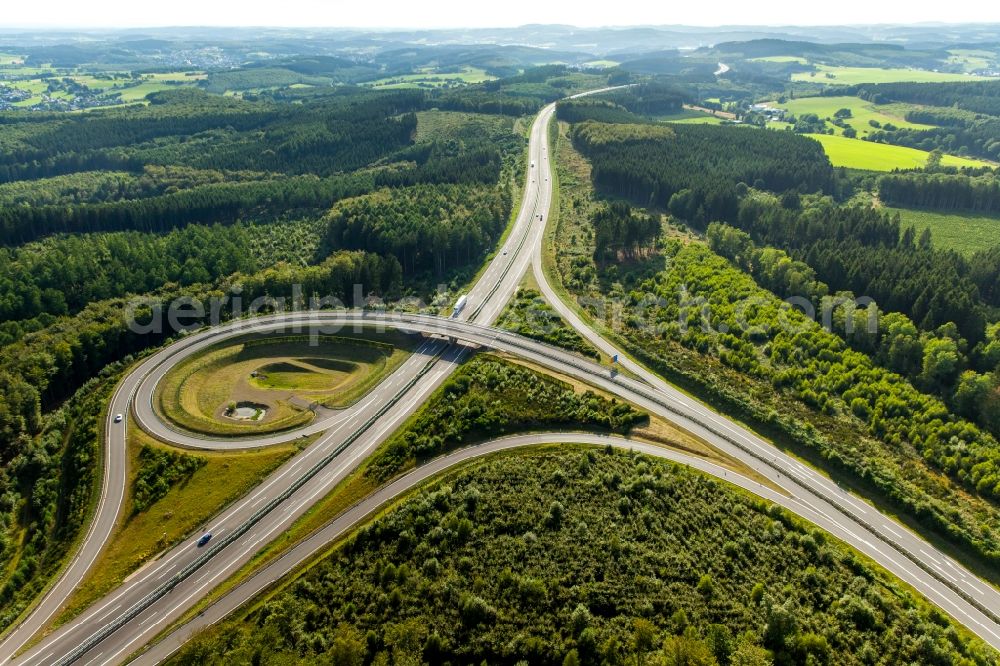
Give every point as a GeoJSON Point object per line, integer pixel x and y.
{"type": "Point", "coordinates": [61, 275]}
{"type": "Point", "coordinates": [223, 203]}
{"type": "Point", "coordinates": [937, 360]}
{"type": "Point", "coordinates": [863, 250]}
{"type": "Point", "coordinates": [776, 367]}
{"type": "Point", "coordinates": [976, 96]}
{"type": "Point", "coordinates": [942, 191]}
{"type": "Point", "coordinates": [979, 138]}
{"type": "Point", "coordinates": [699, 164]}
{"type": "Point", "coordinates": [427, 228]}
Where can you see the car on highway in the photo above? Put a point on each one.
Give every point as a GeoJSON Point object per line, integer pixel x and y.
{"type": "Point", "coordinates": [118, 418]}
{"type": "Point", "coordinates": [204, 539]}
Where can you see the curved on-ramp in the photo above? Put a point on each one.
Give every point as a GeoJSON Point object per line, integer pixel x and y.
{"type": "Point", "coordinates": [321, 539]}
{"type": "Point", "coordinates": [486, 300]}
{"type": "Point", "coordinates": [348, 438]}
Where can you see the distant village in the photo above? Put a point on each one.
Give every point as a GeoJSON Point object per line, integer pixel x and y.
{"type": "Point", "coordinates": [12, 98]}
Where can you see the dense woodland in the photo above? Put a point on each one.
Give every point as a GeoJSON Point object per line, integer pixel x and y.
{"type": "Point", "coordinates": [192, 196]}
{"type": "Point", "coordinates": [426, 228]}
{"type": "Point", "coordinates": [847, 410]}
{"type": "Point", "coordinates": [488, 398]}
{"type": "Point", "coordinates": [63, 274]}
{"type": "Point", "coordinates": [851, 248]}
{"type": "Point", "coordinates": [695, 169]}
{"type": "Point", "coordinates": [588, 557]}
{"type": "Point", "coordinates": [863, 250]}
{"type": "Point", "coordinates": [941, 191]}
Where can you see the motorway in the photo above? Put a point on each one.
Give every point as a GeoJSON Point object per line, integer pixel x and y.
{"type": "Point", "coordinates": [394, 399]}
{"type": "Point", "coordinates": [126, 619]}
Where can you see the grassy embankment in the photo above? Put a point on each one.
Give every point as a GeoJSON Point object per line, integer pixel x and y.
{"type": "Point", "coordinates": [282, 377]}
{"type": "Point", "coordinates": [220, 479]}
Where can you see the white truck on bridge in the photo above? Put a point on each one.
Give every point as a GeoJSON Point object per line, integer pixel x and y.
{"type": "Point", "coordinates": [459, 305]}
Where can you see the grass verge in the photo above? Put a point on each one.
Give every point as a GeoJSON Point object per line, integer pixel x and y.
{"type": "Point", "coordinates": [223, 478]}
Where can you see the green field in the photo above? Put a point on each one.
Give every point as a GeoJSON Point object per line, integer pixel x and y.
{"type": "Point", "coordinates": [139, 92]}
{"type": "Point", "coordinates": [972, 59]}
{"type": "Point", "coordinates": [861, 112]}
{"type": "Point", "coordinates": [965, 233]}
{"type": "Point", "coordinates": [602, 63]}
{"type": "Point", "coordinates": [798, 59]}
{"type": "Point", "coordinates": [692, 116]}
{"type": "Point", "coordinates": [430, 78]}
{"type": "Point", "coordinates": [858, 154]}
{"type": "Point", "coordinates": [10, 59]}
{"type": "Point", "coordinates": [853, 75]}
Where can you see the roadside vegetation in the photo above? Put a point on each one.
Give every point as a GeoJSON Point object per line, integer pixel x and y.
{"type": "Point", "coordinates": [125, 209]}
{"type": "Point", "coordinates": [583, 556]}
{"type": "Point", "coordinates": [171, 493]}
{"type": "Point", "coordinates": [835, 411]}
{"type": "Point", "coordinates": [488, 398]}
{"type": "Point", "coordinates": [528, 314]}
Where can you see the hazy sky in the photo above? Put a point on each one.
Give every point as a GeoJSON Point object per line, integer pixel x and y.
{"type": "Point", "coordinates": [479, 13]}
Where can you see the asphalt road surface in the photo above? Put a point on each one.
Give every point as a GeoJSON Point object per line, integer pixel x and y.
{"type": "Point", "coordinates": [414, 380]}
{"type": "Point", "coordinates": [126, 619]}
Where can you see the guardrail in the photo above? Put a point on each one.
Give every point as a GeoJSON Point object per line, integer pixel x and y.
{"type": "Point", "coordinates": [530, 347]}
{"type": "Point", "coordinates": [138, 607]}
{"type": "Point", "coordinates": [639, 388]}
{"type": "Point", "coordinates": [517, 250]}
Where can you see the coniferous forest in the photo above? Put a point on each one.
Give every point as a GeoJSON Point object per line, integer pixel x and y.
{"type": "Point", "coordinates": [798, 231]}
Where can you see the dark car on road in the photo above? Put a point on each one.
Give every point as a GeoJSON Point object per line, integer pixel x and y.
{"type": "Point", "coordinates": [204, 539]}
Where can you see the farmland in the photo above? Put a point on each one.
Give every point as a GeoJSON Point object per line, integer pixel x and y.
{"type": "Point", "coordinates": [853, 75]}
{"type": "Point", "coordinates": [432, 78]}
{"type": "Point", "coordinates": [965, 232]}
{"type": "Point", "coordinates": [862, 112]}
{"type": "Point", "coordinates": [857, 154]}
{"type": "Point", "coordinates": [45, 84]}
{"type": "Point", "coordinates": [972, 59]}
